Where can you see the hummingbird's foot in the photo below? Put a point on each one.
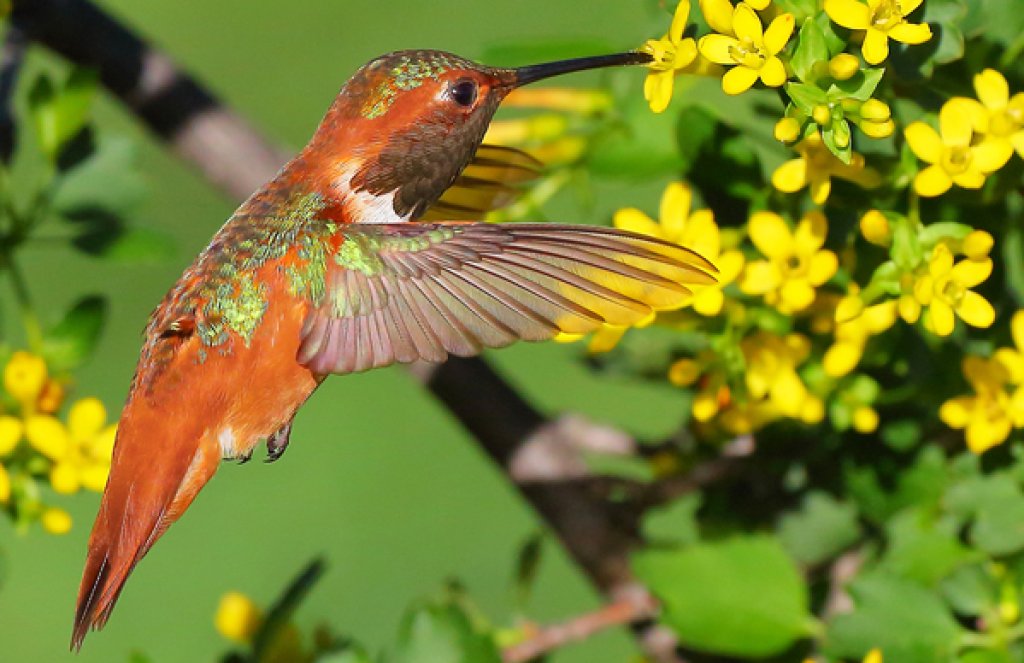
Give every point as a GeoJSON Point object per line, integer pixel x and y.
{"type": "Point", "coordinates": [278, 442]}
{"type": "Point", "coordinates": [244, 458]}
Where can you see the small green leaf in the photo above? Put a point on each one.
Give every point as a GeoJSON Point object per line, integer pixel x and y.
{"type": "Point", "coordinates": [860, 86]}
{"type": "Point", "coordinates": [527, 565]}
{"type": "Point", "coordinates": [971, 590]}
{"type": "Point", "coordinates": [906, 621]}
{"type": "Point", "coordinates": [442, 631]}
{"type": "Point", "coordinates": [739, 597]}
{"type": "Point", "coordinates": [58, 114]}
{"type": "Point", "coordinates": [923, 548]}
{"type": "Point", "coordinates": [280, 614]}
{"type": "Point", "coordinates": [806, 96]}
{"type": "Point", "coordinates": [810, 50]}
{"type": "Point", "coordinates": [675, 523]}
{"type": "Point", "coordinates": [906, 249]}
{"type": "Point", "coordinates": [820, 529]}
{"type": "Point", "coordinates": [74, 339]}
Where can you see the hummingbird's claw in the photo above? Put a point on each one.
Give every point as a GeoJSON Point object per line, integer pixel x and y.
{"type": "Point", "coordinates": [278, 442]}
{"type": "Point", "coordinates": [244, 458]}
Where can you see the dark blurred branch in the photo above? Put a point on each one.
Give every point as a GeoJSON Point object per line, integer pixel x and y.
{"type": "Point", "coordinates": [12, 54]}
{"type": "Point", "coordinates": [543, 457]}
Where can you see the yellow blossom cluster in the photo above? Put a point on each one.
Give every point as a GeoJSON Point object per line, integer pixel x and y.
{"type": "Point", "coordinates": [239, 620]}
{"type": "Point", "coordinates": [36, 445]}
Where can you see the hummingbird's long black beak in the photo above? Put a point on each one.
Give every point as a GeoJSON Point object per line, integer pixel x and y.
{"type": "Point", "coordinates": [536, 72]}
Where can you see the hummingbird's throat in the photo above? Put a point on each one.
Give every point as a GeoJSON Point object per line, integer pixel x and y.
{"type": "Point", "coordinates": [363, 205]}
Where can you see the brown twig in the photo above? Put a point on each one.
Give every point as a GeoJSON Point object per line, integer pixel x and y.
{"type": "Point", "coordinates": [546, 639]}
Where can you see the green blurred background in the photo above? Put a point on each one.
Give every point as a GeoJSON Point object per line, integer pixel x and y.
{"type": "Point", "coordinates": [379, 479]}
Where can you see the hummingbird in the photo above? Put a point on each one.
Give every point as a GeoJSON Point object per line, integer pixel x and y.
{"type": "Point", "coordinates": [361, 252]}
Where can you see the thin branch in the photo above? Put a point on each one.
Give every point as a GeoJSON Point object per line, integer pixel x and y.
{"type": "Point", "coordinates": [549, 638]}
{"type": "Point", "coordinates": [12, 55]}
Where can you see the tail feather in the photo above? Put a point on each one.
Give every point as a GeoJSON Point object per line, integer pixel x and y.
{"type": "Point", "coordinates": [132, 516]}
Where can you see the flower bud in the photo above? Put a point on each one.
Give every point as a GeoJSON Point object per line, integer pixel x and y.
{"type": "Point", "coordinates": [24, 377]}
{"type": "Point", "coordinates": [237, 618]}
{"type": "Point", "coordinates": [978, 244]}
{"type": "Point", "coordinates": [865, 419]}
{"type": "Point", "coordinates": [875, 228]}
{"type": "Point", "coordinates": [56, 521]}
{"type": "Point", "coordinates": [821, 114]}
{"type": "Point", "coordinates": [849, 308]}
{"type": "Point", "coordinates": [843, 66]}
{"type": "Point", "coordinates": [873, 129]}
{"type": "Point", "coordinates": [875, 110]}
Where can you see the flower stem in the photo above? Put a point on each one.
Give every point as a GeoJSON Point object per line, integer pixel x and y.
{"type": "Point", "coordinates": [29, 320]}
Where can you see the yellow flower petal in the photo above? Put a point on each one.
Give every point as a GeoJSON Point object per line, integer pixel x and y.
{"type": "Point", "coordinates": [791, 176]}
{"type": "Point", "coordinates": [955, 125]}
{"type": "Point", "coordinates": [991, 155]}
{"type": "Point", "coordinates": [778, 33]}
{"type": "Point", "coordinates": [906, 8]}
{"type": "Point", "coordinates": [718, 14]}
{"type": "Point", "coordinates": [981, 438]}
{"type": "Point", "coordinates": [658, 90]}
{"type": "Point", "coordinates": [48, 436]}
{"type": "Point", "coordinates": [24, 377]}
{"type": "Point", "coordinates": [924, 142]}
{"type": "Point", "coordinates": [849, 13]}
{"type": "Point", "coordinates": [739, 79]}
{"type": "Point", "coordinates": [821, 187]}
{"type": "Point", "coordinates": [705, 406]}
{"type": "Point", "coordinates": [11, 430]}
{"type": "Point", "coordinates": [941, 317]}
{"type": "Point", "coordinates": [634, 220]}
{"type": "Point", "coordinates": [788, 393]}
{"type": "Point", "coordinates": [718, 48]}
{"type": "Point", "coordinates": [760, 277]}
{"type": "Point", "coordinates": [773, 72]}
{"type": "Point", "coordinates": [970, 273]}
{"type": "Point", "coordinates": [911, 33]}
{"type": "Point", "coordinates": [1017, 327]}
{"type": "Point", "coordinates": [729, 265]}
{"type": "Point", "coordinates": [679, 21]}
{"type": "Point", "coordinates": [675, 207]}
{"type": "Point", "coordinates": [605, 338]}
{"type": "Point", "coordinates": [810, 233]}
{"type": "Point", "coordinates": [992, 89]}
{"type": "Point", "coordinates": [932, 181]}
{"type": "Point", "coordinates": [56, 521]}
{"type": "Point", "coordinates": [102, 445]}
{"type": "Point", "coordinates": [841, 358]}
{"type": "Point", "coordinates": [94, 476]}
{"type": "Point", "coordinates": [909, 308]}
{"type": "Point", "coordinates": [701, 234]}
{"type": "Point", "coordinates": [86, 418]}
{"type": "Point", "coordinates": [956, 412]}
{"type": "Point", "coordinates": [823, 266]}
{"type": "Point", "coordinates": [746, 25]}
{"type": "Point", "coordinates": [971, 179]}
{"type": "Point", "coordinates": [64, 478]}
{"type": "Point", "coordinates": [975, 310]}
{"type": "Point", "coordinates": [978, 244]}
{"type": "Point", "coordinates": [941, 261]}
{"type": "Point", "coordinates": [812, 410]}
{"type": "Point", "coordinates": [708, 301]}
{"type": "Point", "coordinates": [237, 618]}
{"type": "Point", "coordinates": [770, 234]}
{"type": "Point", "coordinates": [796, 294]}
{"type": "Point", "coordinates": [876, 46]}
{"type": "Point", "coordinates": [5, 485]}
{"type": "Point", "coordinates": [684, 372]}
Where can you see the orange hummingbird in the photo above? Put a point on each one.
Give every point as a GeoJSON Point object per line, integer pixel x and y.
{"type": "Point", "coordinates": [331, 268]}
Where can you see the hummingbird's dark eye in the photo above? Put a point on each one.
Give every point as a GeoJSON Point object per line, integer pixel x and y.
{"type": "Point", "coordinates": [464, 93]}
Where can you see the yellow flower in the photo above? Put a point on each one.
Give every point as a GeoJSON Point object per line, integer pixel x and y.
{"type": "Point", "coordinates": [237, 618]}
{"type": "Point", "coordinates": [56, 521]}
{"type": "Point", "coordinates": [816, 167]}
{"type": "Point", "coordinates": [945, 290]}
{"type": "Point", "coordinates": [852, 337]}
{"type": "Point", "coordinates": [995, 114]}
{"type": "Point", "coordinates": [713, 393]}
{"type": "Point", "coordinates": [671, 53]}
{"type": "Point", "coordinates": [748, 48]}
{"type": "Point", "coordinates": [24, 377]}
{"type": "Point", "coordinates": [1013, 358]}
{"type": "Point", "coordinates": [771, 374]}
{"type": "Point", "coordinates": [883, 20]}
{"type": "Point", "coordinates": [796, 263]}
{"type": "Point", "coordinates": [697, 231]}
{"type": "Point", "coordinates": [47, 435]}
{"type": "Point", "coordinates": [988, 416]}
{"type": "Point", "coordinates": [90, 448]}
{"type": "Point", "coordinates": [865, 419]}
{"type": "Point", "coordinates": [5, 485]}
{"type": "Point", "coordinates": [873, 656]}
{"type": "Point", "coordinates": [953, 156]}
{"type": "Point", "coordinates": [11, 430]}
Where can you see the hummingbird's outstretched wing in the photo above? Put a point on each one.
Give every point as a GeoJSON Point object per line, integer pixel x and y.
{"type": "Point", "coordinates": [405, 292]}
{"type": "Point", "coordinates": [492, 180]}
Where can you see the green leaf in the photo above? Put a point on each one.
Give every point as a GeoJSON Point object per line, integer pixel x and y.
{"type": "Point", "coordinates": [933, 233]}
{"type": "Point", "coordinates": [108, 180]}
{"type": "Point", "coordinates": [820, 529]}
{"type": "Point", "coordinates": [74, 339]}
{"type": "Point", "coordinates": [739, 597]}
{"type": "Point", "coordinates": [349, 654]}
{"type": "Point", "coordinates": [58, 114]}
{"type": "Point", "coordinates": [280, 614]}
{"type": "Point", "coordinates": [997, 506]}
{"type": "Point", "coordinates": [906, 250]}
{"type": "Point", "coordinates": [527, 565]}
{"type": "Point", "coordinates": [923, 548]}
{"type": "Point", "coordinates": [860, 86]}
{"type": "Point", "coordinates": [987, 656]}
{"type": "Point", "coordinates": [806, 96]}
{"type": "Point", "coordinates": [443, 631]}
{"type": "Point", "coordinates": [810, 50]}
{"type": "Point", "coordinates": [675, 523]}
{"type": "Point", "coordinates": [971, 590]}
{"type": "Point", "coordinates": [1013, 248]}
{"type": "Point", "coordinates": [906, 621]}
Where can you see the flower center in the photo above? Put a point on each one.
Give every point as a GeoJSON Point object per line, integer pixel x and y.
{"type": "Point", "coordinates": [956, 160]}
{"type": "Point", "coordinates": [793, 265]}
{"type": "Point", "coordinates": [952, 292]}
{"type": "Point", "coordinates": [886, 17]}
{"type": "Point", "coordinates": [746, 53]}
{"type": "Point", "coordinates": [663, 52]}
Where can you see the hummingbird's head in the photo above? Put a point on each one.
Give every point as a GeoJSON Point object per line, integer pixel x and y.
{"type": "Point", "coordinates": [417, 117]}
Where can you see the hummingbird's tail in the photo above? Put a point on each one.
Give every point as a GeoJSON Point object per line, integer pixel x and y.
{"type": "Point", "coordinates": [151, 484]}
